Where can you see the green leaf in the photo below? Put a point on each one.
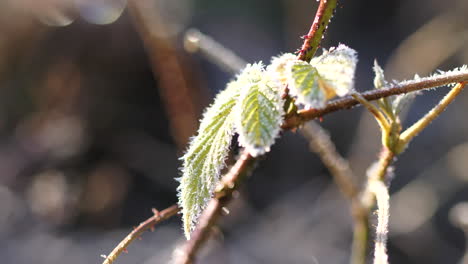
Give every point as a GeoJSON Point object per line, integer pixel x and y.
{"type": "Point", "coordinates": [304, 84]}
{"type": "Point", "coordinates": [280, 66]}
{"type": "Point", "coordinates": [379, 79]}
{"type": "Point", "coordinates": [259, 115]}
{"type": "Point", "coordinates": [336, 68]}
{"type": "Point", "coordinates": [204, 159]}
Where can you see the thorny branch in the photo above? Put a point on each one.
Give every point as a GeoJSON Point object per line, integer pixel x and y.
{"type": "Point", "coordinates": [372, 95]}
{"type": "Point", "coordinates": [136, 233]}
{"type": "Point", "coordinates": [242, 167]}
{"type": "Point", "coordinates": [213, 211]}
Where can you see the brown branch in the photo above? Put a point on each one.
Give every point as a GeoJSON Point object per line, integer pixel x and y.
{"type": "Point", "coordinates": [241, 168]}
{"type": "Point", "coordinates": [212, 212]}
{"type": "Point", "coordinates": [188, 251]}
{"type": "Point", "coordinates": [320, 143]}
{"type": "Point", "coordinates": [348, 102]}
{"type": "Point", "coordinates": [180, 95]}
{"type": "Point", "coordinates": [312, 40]}
{"type": "Point", "coordinates": [136, 233]}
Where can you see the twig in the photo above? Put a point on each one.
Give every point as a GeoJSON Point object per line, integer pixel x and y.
{"type": "Point", "coordinates": [226, 59]}
{"type": "Point", "coordinates": [348, 102]}
{"type": "Point", "coordinates": [176, 88]}
{"type": "Point", "coordinates": [379, 189]}
{"type": "Point", "coordinates": [320, 143]}
{"type": "Point", "coordinates": [416, 128]}
{"type": "Point", "coordinates": [312, 40]}
{"type": "Point", "coordinates": [209, 216]}
{"type": "Point", "coordinates": [212, 212]}
{"type": "Point", "coordinates": [136, 233]}
{"type": "Point", "coordinates": [361, 217]}
{"type": "Point", "coordinates": [319, 140]}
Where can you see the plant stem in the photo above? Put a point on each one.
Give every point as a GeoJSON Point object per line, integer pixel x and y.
{"type": "Point", "coordinates": [360, 235]}
{"type": "Point", "coordinates": [417, 127]}
{"type": "Point", "coordinates": [180, 94]}
{"type": "Point", "coordinates": [212, 212]}
{"type": "Point", "coordinates": [379, 116]}
{"type": "Point", "coordinates": [136, 233]}
{"type": "Point", "coordinates": [230, 181]}
{"type": "Point", "coordinates": [312, 40]}
{"type": "Point", "coordinates": [226, 59]}
{"type": "Point", "coordinates": [364, 206]}
{"type": "Point", "coordinates": [320, 143]}
{"type": "Point", "coordinates": [348, 102]}
{"type": "Point", "coordinates": [380, 190]}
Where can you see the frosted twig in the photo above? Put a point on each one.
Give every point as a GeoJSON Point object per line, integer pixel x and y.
{"type": "Point", "coordinates": [383, 205]}
{"type": "Point", "coordinates": [136, 233]}
{"type": "Point", "coordinates": [320, 143]}
{"type": "Point", "coordinates": [416, 128]}
{"type": "Point", "coordinates": [195, 41]}
{"type": "Point", "coordinates": [400, 88]}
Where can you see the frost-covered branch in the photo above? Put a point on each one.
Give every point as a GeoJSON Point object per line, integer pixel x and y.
{"type": "Point", "coordinates": [224, 192]}
{"type": "Point", "coordinates": [383, 206]}
{"type": "Point", "coordinates": [418, 84]}
{"type": "Point", "coordinates": [320, 143]}
{"type": "Point", "coordinates": [136, 233]}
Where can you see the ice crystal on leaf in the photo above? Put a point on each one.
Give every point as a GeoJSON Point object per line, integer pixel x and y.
{"type": "Point", "coordinates": [252, 102]}
{"type": "Point", "coordinates": [204, 159]}
{"type": "Point", "coordinates": [280, 66]}
{"type": "Point", "coordinates": [304, 83]}
{"type": "Point", "coordinates": [336, 68]}
{"type": "Point", "coordinates": [325, 77]}
{"type": "Point", "coordinates": [259, 114]}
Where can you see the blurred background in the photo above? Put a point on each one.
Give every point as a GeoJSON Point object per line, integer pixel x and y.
{"type": "Point", "coordinates": [99, 97]}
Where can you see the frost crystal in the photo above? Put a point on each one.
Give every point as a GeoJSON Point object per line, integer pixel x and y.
{"type": "Point", "coordinates": [379, 79]}
{"type": "Point", "coordinates": [280, 67]}
{"type": "Point", "coordinates": [204, 159]}
{"type": "Point", "coordinates": [259, 114]}
{"type": "Point", "coordinates": [304, 83]}
{"type": "Point", "coordinates": [337, 67]}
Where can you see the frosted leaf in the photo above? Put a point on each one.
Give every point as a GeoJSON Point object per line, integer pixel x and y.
{"type": "Point", "coordinates": [204, 159]}
{"type": "Point", "coordinates": [280, 67]}
{"type": "Point", "coordinates": [402, 101]}
{"type": "Point", "coordinates": [259, 115]}
{"type": "Point", "coordinates": [379, 79]}
{"type": "Point", "coordinates": [336, 68]}
{"type": "Point", "coordinates": [304, 83]}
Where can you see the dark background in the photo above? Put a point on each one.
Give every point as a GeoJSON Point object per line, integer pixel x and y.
{"type": "Point", "coordinates": [98, 99]}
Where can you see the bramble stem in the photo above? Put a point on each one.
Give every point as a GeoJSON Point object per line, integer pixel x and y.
{"type": "Point", "coordinates": [367, 202]}
{"type": "Point", "coordinates": [417, 127]}
{"type": "Point", "coordinates": [380, 190]}
{"type": "Point", "coordinates": [213, 211]}
{"type": "Point", "coordinates": [230, 181]}
{"type": "Point", "coordinates": [312, 40]}
{"type": "Point", "coordinates": [379, 116]}
{"type": "Point", "coordinates": [348, 102]}
{"type": "Point", "coordinates": [320, 143]}
{"type": "Point", "coordinates": [136, 233]}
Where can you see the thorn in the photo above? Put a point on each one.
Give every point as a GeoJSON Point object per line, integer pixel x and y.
{"type": "Point", "coordinates": [152, 228]}
{"type": "Point", "coordinates": [155, 211]}
{"type": "Point", "coordinates": [305, 37]}
{"type": "Point", "coordinates": [103, 256]}
{"type": "Point", "coordinates": [124, 250]}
